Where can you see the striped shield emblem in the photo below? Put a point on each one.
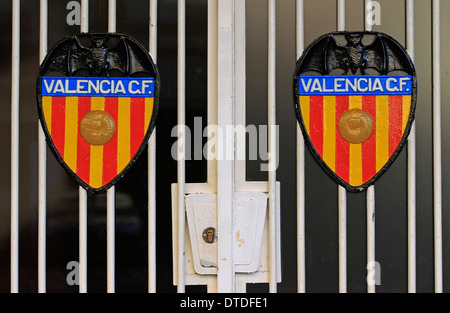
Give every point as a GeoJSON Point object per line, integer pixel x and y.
{"type": "Point", "coordinates": [97, 165]}
{"type": "Point", "coordinates": [355, 95]}
{"type": "Point", "coordinates": [97, 126]}
{"type": "Point", "coordinates": [377, 121]}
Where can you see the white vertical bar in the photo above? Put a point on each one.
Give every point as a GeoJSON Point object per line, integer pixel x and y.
{"type": "Point", "coordinates": [110, 240]}
{"type": "Point", "coordinates": [340, 15]}
{"type": "Point", "coordinates": [111, 193]}
{"type": "Point", "coordinates": [84, 16]}
{"type": "Point", "coordinates": [152, 163]}
{"type": "Point", "coordinates": [225, 166]}
{"type": "Point", "coordinates": [15, 85]}
{"type": "Point", "coordinates": [112, 10]}
{"type": "Point", "coordinates": [411, 164]}
{"type": "Point", "coordinates": [370, 215]}
{"type": "Point", "coordinates": [212, 94]}
{"type": "Point", "coordinates": [367, 5]}
{"type": "Point", "coordinates": [301, 270]}
{"type": "Point", "coordinates": [370, 236]}
{"type": "Point", "coordinates": [240, 89]}
{"type": "Point", "coordinates": [82, 240]}
{"type": "Point", "coordinates": [212, 84]}
{"type": "Point", "coordinates": [342, 218]}
{"type": "Point", "coordinates": [181, 143]}
{"type": "Point", "coordinates": [42, 159]}
{"type": "Point", "coordinates": [342, 193]}
{"type": "Point", "coordinates": [272, 144]}
{"type": "Point", "coordinates": [82, 193]}
{"type": "Point", "coordinates": [437, 168]}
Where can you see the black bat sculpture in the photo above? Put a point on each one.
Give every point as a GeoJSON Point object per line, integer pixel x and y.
{"type": "Point", "coordinates": [98, 55]}
{"type": "Point", "coordinates": [383, 54]}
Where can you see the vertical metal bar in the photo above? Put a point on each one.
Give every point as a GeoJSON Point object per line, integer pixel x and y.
{"type": "Point", "coordinates": [84, 27]}
{"type": "Point", "coordinates": [437, 167]}
{"type": "Point", "coordinates": [342, 217]}
{"type": "Point", "coordinates": [367, 25]}
{"type": "Point", "coordinates": [212, 83]}
{"type": "Point", "coordinates": [152, 163]}
{"type": "Point", "coordinates": [15, 86]}
{"type": "Point", "coordinates": [111, 193]}
{"type": "Point", "coordinates": [225, 164]}
{"type": "Point", "coordinates": [82, 240]}
{"type": "Point", "coordinates": [342, 194]}
{"type": "Point", "coordinates": [370, 201]}
{"type": "Point", "coordinates": [340, 15]}
{"type": "Point", "coordinates": [112, 10]}
{"type": "Point", "coordinates": [240, 90]}
{"type": "Point", "coordinates": [42, 156]}
{"type": "Point", "coordinates": [181, 143]}
{"type": "Point", "coordinates": [301, 269]}
{"type": "Point", "coordinates": [212, 96]}
{"type": "Point", "coordinates": [411, 164]}
{"type": "Point", "coordinates": [82, 192]}
{"type": "Point", "coordinates": [370, 221]}
{"type": "Point", "coordinates": [272, 144]}
{"type": "Point", "coordinates": [110, 240]}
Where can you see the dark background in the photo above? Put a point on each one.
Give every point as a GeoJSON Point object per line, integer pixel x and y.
{"type": "Point", "coordinates": [131, 198]}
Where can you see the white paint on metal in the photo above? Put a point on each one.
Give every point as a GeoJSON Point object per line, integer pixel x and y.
{"type": "Point", "coordinates": [437, 154]}
{"type": "Point", "coordinates": [367, 26]}
{"type": "Point", "coordinates": [225, 166]}
{"type": "Point", "coordinates": [370, 193]}
{"type": "Point", "coordinates": [240, 90]}
{"type": "Point", "coordinates": [82, 240]}
{"type": "Point", "coordinates": [111, 193]}
{"type": "Point", "coordinates": [342, 193]}
{"type": "Point", "coordinates": [301, 260]}
{"type": "Point", "coordinates": [84, 27]}
{"type": "Point", "coordinates": [181, 57]}
{"type": "Point", "coordinates": [370, 234]}
{"type": "Point", "coordinates": [153, 42]}
{"type": "Point", "coordinates": [15, 91]}
{"type": "Point", "coordinates": [110, 239]}
{"type": "Point", "coordinates": [342, 229]}
{"type": "Point", "coordinates": [272, 143]}
{"type": "Point", "coordinates": [411, 164]}
{"type": "Point", "coordinates": [42, 163]}
{"type": "Point", "coordinates": [212, 86]}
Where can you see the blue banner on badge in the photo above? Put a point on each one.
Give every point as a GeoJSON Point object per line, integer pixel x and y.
{"type": "Point", "coordinates": [355, 85]}
{"type": "Point", "coordinates": [97, 86]}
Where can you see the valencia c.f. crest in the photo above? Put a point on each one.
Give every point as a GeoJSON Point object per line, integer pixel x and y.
{"type": "Point", "coordinates": [355, 96]}
{"type": "Point", "coordinates": [97, 101]}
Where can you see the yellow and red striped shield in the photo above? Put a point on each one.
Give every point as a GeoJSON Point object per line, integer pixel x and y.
{"type": "Point", "coordinates": [97, 101]}
{"type": "Point", "coordinates": [97, 165]}
{"type": "Point", "coordinates": [356, 165]}
{"type": "Point", "coordinates": [355, 95]}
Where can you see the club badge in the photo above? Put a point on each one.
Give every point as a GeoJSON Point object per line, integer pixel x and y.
{"type": "Point", "coordinates": [97, 100]}
{"type": "Point", "coordinates": [355, 96]}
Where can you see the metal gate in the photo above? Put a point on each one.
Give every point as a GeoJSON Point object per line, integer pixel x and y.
{"type": "Point", "coordinates": [242, 75]}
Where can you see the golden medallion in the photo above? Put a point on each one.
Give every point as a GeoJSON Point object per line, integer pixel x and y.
{"type": "Point", "coordinates": [97, 127]}
{"type": "Point", "coordinates": [355, 126]}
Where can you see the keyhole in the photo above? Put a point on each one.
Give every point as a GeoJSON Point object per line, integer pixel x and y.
{"type": "Point", "coordinates": [209, 235]}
